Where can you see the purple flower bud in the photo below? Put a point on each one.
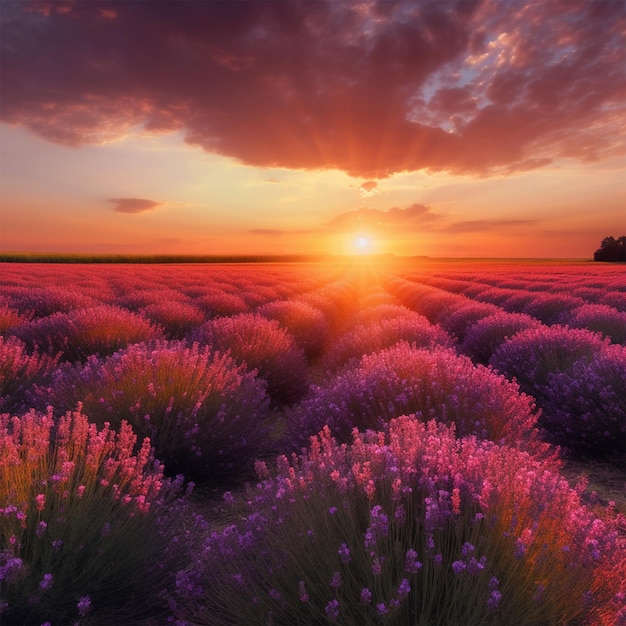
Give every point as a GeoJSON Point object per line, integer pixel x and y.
{"type": "Point", "coordinates": [84, 605]}
{"type": "Point", "coordinates": [46, 582]}
{"type": "Point", "coordinates": [332, 609]}
{"type": "Point", "coordinates": [494, 600]}
{"type": "Point", "coordinates": [405, 588]}
{"type": "Point", "coordinates": [366, 596]}
{"type": "Point", "coordinates": [344, 553]}
{"type": "Point", "coordinates": [335, 581]}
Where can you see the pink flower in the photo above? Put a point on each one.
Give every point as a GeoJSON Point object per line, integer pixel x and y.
{"type": "Point", "coordinates": [40, 499]}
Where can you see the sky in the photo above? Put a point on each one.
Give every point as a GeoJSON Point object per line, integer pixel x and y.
{"type": "Point", "coordinates": [443, 128]}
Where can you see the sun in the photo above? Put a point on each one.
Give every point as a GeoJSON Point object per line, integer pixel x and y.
{"type": "Point", "coordinates": [362, 244]}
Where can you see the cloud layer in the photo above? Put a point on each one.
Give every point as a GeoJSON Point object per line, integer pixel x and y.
{"type": "Point", "coordinates": [412, 218]}
{"type": "Point", "coordinates": [370, 88]}
{"type": "Point", "coordinates": [134, 205]}
{"type": "Point", "coordinates": [396, 221]}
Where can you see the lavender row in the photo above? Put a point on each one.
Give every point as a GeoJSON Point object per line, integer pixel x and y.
{"type": "Point", "coordinates": [577, 377]}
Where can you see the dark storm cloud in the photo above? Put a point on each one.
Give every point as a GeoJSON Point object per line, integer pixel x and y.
{"type": "Point", "coordinates": [370, 88]}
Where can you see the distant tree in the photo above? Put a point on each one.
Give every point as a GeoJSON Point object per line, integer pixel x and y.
{"type": "Point", "coordinates": [611, 249]}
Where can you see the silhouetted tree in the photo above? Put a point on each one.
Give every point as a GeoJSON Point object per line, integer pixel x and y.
{"type": "Point", "coordinates": [611, 249]}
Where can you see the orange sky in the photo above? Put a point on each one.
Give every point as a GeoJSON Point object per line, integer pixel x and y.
{"type": "Point", "coordinates": [460, 128]}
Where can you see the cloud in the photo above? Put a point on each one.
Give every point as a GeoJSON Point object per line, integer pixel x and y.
{"type": "Point", "coordinates": [271, 232]}
{"type": "Point", "coordinates": [369, 88]}
{"type": "Point", "coordinates": [413, 217]}
{"type": "Point", "coordinates": [369, 185]}
{"type": "Point", "coordinates": [278, 232]}
{"type": "Point", "coordinates": [368, 188]}
{"type": "Point", "coordinates": [473, 226]}
{"type": "Point", "coordinates": [396, 221]}
{"type": "Point", "coordinates": [134, 205]}
{"type": "Point", "coordinates": [418, 218]}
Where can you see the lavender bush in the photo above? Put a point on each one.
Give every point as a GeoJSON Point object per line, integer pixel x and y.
{"type": "Point", "coordinates": [601, 318]}
{"type": "Point", "coordinates": [518, 301]}
{"type": "Point", "coordinates": [485, 335]}
{"type": "Point", "coordinates": [219, 303]}
{"type": "Point", "coordinates": [176, 318]}
{"type": "Point", "coordinates": [19, 371]}
{"type": "Point", "coordinates": [460, 318]}
{"type": "Point", "coordinates": [615, 299]}
{"type": "Point", "coordinates": [10, 318]}
{"type": "Point", "coordinates": [304, 322]}
{"type": "Point", "coordinates": [585, 406]}
{"type": "Point", "coordinates": [407, 526]}
{"type": "Point", "coordinates": [206, 416]}
{"type": "Point", "coordinates": [437, 303]}
{"type": "Point", "coordinates": [532, 355]}
{"type": "Point", "coordinates": [86, 525]}
{"type": "Point", "coordinates": [44, 301]}
{"type": "Point", "coordinates": [76, 335]}
{"type": "Point", "coordinates": [432, 383]}
{"type": "Point", "coordinates": [374, 336]}
{"type": "Point", "coordinates": [552, 308]}
{"type": "Point", "coordinates": [137, 298]}
{"type": "Point", "coordinates": [261, 345]}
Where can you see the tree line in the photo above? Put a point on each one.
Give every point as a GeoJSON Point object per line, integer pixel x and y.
{"type": "Point", "coordinates": [611, 249]}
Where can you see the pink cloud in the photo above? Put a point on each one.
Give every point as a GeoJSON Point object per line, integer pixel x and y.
{"type": "Point", "coordinates": [368, 88]}
{"type": "Point", "coordinates": [369, 185]}
{"type": "Point", "coordinates": [134, 205]}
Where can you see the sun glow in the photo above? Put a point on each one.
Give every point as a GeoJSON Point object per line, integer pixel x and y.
{"type": "Point", "coordinates": [362, 244]}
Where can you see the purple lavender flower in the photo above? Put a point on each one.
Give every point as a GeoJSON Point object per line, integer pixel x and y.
{"type": "Point", "coordinates": [405, 588]}
{"type": "Point", "coordinates": [84, 605]}
{"type": "Point", "coordinates": [332, 610]}
{"type": "Point", "coordinates": [475, 566]}
{"type": "Point", "coordinates": [344, 553]}
{"type": "Point", "coordinates": [302, 594]}
{"type": "Point", "coordinates": [377, 565]}
{"type": "Point", "coordinates": [46, 581]}
{"type": "Point", "coordinates": [10, 567]}
{"type": "Point", "coordinates": [366, 596]}
{"type": "Point", "coordinates": [411, 564]}
{"type": "Point", "coordinates": [275, 595]}
{"type": "Point", "coordinates": [494, 600]}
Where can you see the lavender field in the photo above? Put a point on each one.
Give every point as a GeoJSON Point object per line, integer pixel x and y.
{"type": "Point", "coordinates": [364, 442]}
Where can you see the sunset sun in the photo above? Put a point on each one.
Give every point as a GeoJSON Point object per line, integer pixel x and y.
{"type": "Point", "coordinates": [362, 244]}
